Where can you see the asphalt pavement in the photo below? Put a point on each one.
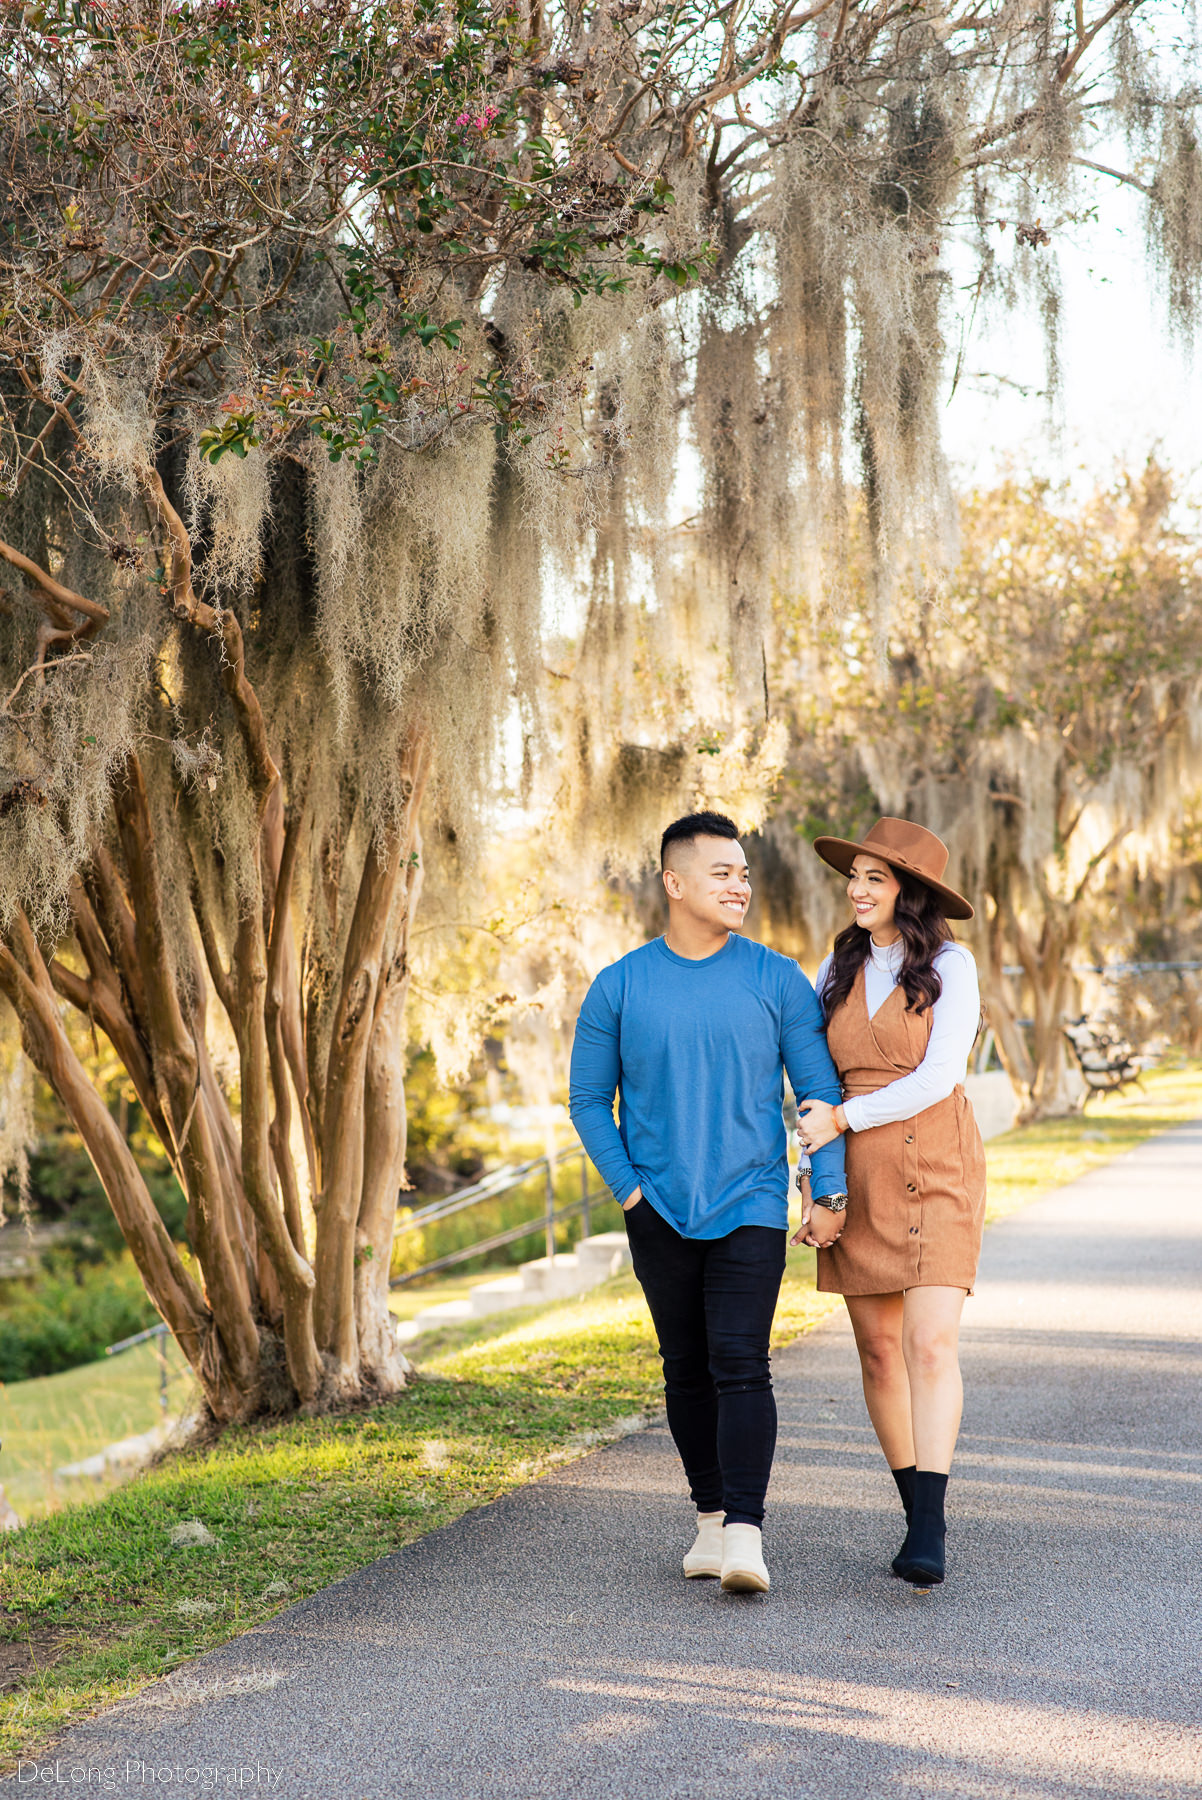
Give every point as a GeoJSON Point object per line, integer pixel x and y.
{"type": "Point", "coordinates": [548, 1648]}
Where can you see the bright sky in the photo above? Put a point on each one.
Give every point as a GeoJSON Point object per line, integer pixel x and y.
{"type": "Point", "coordinates": [1127, 387]}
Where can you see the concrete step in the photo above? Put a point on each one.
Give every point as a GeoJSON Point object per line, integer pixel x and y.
{"type": "Point", "coordinates": [450, 1312]}
{"type": "Point", "coordinates": [604, 1254]}
{"type": "Point", "coordinates": [551, 1277]}
{"type": "Point", "coordinates": [126, 1454]}
{"type": "Point", "coordinates": [496, 1296]}
{"type": "Point", "coordinates": [994, 1101]}
{"type": "Point", "coordinates": [561, 1277]}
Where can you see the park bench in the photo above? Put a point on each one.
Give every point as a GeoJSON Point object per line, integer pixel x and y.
{"type": "Point", "coordinates": [1107, 1060]}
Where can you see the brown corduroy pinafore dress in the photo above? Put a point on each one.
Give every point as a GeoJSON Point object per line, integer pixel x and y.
{"type": "Point", "coordinates": [915, 1189]}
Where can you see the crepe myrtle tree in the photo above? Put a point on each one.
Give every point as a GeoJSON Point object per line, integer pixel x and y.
{"type": "Point", "coordinates": [322, 327]}
{"type": "Point", "coordinates": [243, 257]}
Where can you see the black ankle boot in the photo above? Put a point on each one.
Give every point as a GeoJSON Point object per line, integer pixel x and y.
{"type": "Point", "coordinates": [921, 1558]}
{"type": "Point", "coordinates": [905, 1487]}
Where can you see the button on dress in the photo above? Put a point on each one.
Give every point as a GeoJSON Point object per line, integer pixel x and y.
{"type": "Point", "coordinates": [915, 1188]}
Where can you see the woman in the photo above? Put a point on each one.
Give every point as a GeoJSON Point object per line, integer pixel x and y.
{"type": "Point", "coordinates": [903, 1009]}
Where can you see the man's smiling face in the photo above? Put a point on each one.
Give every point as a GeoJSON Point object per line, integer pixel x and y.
{"type": "Point", "coordinates": [709, 879]}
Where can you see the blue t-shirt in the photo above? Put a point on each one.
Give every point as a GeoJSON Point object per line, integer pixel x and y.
{"type": "Point", "coordinates": [695, 1052]}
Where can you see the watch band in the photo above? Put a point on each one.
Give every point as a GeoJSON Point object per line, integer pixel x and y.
{"type": "Point", "coordinates": [835, 1203]}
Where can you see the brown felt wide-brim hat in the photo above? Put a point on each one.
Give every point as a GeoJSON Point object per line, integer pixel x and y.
{"type": "Point", "coordinates": [902, 845]}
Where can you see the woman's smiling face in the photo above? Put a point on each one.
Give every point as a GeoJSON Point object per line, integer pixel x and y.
{"type": "Point", "coordinates": [872, 889]}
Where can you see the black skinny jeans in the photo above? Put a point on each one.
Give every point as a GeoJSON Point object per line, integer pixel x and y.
{"type": "Point", "coordinates": [712, 1301]}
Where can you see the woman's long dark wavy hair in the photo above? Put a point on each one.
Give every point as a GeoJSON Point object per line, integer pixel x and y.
{"type": "Point", "coordinates": [924, 930]}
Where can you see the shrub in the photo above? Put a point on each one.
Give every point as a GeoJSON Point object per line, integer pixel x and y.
{"type": "Point", "coordinates": [67, 1313]}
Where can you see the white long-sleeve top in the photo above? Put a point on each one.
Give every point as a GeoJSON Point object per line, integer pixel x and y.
{"type": "Point", "coordinates": [955, 1018]}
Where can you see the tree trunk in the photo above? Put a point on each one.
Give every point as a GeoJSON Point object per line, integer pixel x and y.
{"type": "Point", "coordinates": [179, 1300]}
{"type": "Point", "coordinates": [275, 1322]}
{"type": "Point", "coordinates": [357, 1149]}
{"type": "Point", "coordinates": [1047, 968]}
{"type": "Point", "coordinates": [381, 1359]}
{"type": "Point", "coordinates": [262, 1299]}
{"type": "Point", "coordinates": [1002, 1013]}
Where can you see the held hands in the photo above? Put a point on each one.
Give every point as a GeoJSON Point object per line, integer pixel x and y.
{"type": "Point", "coordinates": [819, 1226]}
{"type": "Point", "coordinates": [817, 1124]}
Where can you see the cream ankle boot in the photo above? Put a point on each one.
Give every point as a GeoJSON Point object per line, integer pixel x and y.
{"type": "Point", "coordinates": [705, 1558]}
{"type": "Point", "coordinates": [743, 1570]}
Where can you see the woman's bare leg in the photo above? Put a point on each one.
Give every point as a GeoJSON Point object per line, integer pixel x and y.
{"type": "Point", "coordinates": [930, 1345]}
{"type": "Point", "coordinates": [877, 1320]}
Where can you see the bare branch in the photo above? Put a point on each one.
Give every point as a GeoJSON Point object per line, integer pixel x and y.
{"type": "Point", "coordinates": [54, 595]}
{"type": "Point", "coordinates": [225, 625]}
{"type": "Point", "coordinates": [1128, 180]}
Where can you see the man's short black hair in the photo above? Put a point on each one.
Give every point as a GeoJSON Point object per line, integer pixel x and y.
{"type": "Point", "coordinates": [693, 826]}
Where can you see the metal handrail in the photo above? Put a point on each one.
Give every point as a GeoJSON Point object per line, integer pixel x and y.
{"type": "Point", "coordinates": [515, 1233]}
{"type": "Point", "coordinates": [1114, 968]}
{"type": "Point", "coordinates": [497, 1181]}
{"type": "Point", "coordinates": [139, 1337]}
{"type": "Point", "coordinates": [490, 1187]}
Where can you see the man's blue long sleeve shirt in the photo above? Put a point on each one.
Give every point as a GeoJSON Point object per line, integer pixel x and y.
{"type": "Point", "coordinates": [694, 1051]}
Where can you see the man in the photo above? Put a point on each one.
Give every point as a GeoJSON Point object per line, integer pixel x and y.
{"type": "Point", "coordinates": [692, 1032]}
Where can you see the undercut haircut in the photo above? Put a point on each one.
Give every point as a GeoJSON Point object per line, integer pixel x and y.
{"type": "Point", "coordinates": [693, 826]}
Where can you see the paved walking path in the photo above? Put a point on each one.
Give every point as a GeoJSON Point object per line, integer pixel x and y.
{"type": "Point", "coordinates": [547, 1648]}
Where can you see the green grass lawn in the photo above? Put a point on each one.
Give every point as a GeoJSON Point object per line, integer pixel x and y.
{"type": "Point", "coordinates": [65, 1418]}
{"type": "Point", "coordinates": [103, 1603]}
